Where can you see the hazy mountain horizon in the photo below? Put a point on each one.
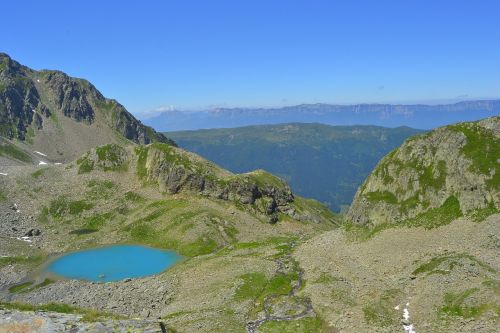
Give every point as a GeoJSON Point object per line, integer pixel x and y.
{"type": "Point", "coordinates": [421, 116]}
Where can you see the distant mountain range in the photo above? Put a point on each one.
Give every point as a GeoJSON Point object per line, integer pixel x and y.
{"type": "Point", "coordinates": [324, 162]}
{"type": "Point", "coordinates": [387, 115]}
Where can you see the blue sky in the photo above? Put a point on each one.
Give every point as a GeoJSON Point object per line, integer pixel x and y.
{"type": "Point", "coordinates": [198, 54]}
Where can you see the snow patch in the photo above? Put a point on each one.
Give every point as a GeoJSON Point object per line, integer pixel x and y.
{"type": "Point", "coordinates": [39, 153]}
{"type": "Point", "coordinates": [42, 163]}
{"type": "Point", "coordinates": [406, 314]}
{"type": "Point", "coordinates": [24, 238]}
{"type": "Point", "coordinates": [3, 174]}
{"type": "Point", "coordinates": [57, 163]}
{"type": "Point", "coordinates": [409, 328]}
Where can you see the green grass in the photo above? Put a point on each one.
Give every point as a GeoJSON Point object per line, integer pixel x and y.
{"type": "Point", "coordinates": [3, 196]}
{"type": "Point", "coordinates": [381, 196]}
{"type": "Point", "coordinates": [133, 197]}
{"type": "Point", "coordinates": [9, 150]}
{"type": "Point", "coordinates": [454, 305]}
{"type": "Point", "coordinates": [479, 215]}
{"type": "Point", "coordinates": [85, 164]}
{"type": "Point", "coordinates": [29, 286]}
{"type": "Point", "coordinates": [114, 156]}
{"type": "Point", "coordinates": [100, 189]}
{"type": "Point", "coordinates": [482, 148]}
{"type": "Point", "coordinates": [444, 264]}
{"type": "Point", "coordinates": [37, 174]}
{"type": "Point", "coordinates": [253, 285]}
{"type": "Point", "coordinates": [142, 156]}
{"type": "Point", "coordinates": [436, 217]}
{"type": "Point", "coordinates": [97, 221]}
{"type": "Point", "coordinates": [62, 206]}
{"type": "Point", "coordinates": [88, 315]}
{"type": "Point", "coordinates": [19, 287]}
{"type": "Point", "coordinates": [20, 260]}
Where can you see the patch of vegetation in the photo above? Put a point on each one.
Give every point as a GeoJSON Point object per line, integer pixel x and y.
{"type": "Point", "coordinates": [381, 196]}
{"type": "Point", "coordinates": [97, 221]}
{"type": "Point", "coordinates": [29, 286]}
{"type": "Point", "coordinates": [19, 287]}
{"type": "Point", "coordinates": [146, 234]}
{"type": "Point", "coordinates": [133, 197]}
{"type": "Point", "coordinates": [203, 245]}
{"type": "Point", "coordinates": [142, 156]}
{"type": "Point", "coordinates": [9, 150]}
{"type": "Point", "coordinates": [29, 260]}
{"type": "Point", "coordinates": [482, 148]}
{"type": "Point", "coordinates": [380, 312]}
{"type": "Point", "coordinates": [253, 285]}
{"type": "Point", "coordinates": [37, 174]}
{"type": "Point", "coordinates": [61, 206]}
{"type": "Point", "coordinates": [85, 164]}
{"type": "Point", "coordinates": [454, 305]}
{"type": "Point", "coordinates": [444, 264]}
{"type": "Point", "coordinates": [88, 315]}
{"type": "Point", "coordinates": [3, 197]}
{"type": "Point", "coordinates": [264, 179]}
{"type": "Point", "coordinates": [303, 325]}
{"type": "Point", "coordinates": [479, 215]}
{"type": "Point", "coordinates": [113, 157]}
{"type": "Point", "coordinates": [436, 217]}
{"type": "Point", "coordinates": [100, 189]}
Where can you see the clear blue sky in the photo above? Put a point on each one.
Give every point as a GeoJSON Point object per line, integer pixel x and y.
{"type": "Point", "coordinates": [197, 54]}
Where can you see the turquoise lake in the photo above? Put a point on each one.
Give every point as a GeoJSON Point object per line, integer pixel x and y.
{"type": "Point", "coordinates": [113, 263]}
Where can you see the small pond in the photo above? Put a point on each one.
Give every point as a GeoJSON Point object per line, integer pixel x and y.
{"type": "Point", "coordinates": [113, 263]}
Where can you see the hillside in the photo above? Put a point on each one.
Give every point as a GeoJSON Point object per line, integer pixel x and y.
{"type": "Point", "coordinates": [232, 230]}
{"type": "Point", "coordinates": [228, 227]}
{"type": "Point", "coordinates": [434, 178]}
{"type": "Point", "coordinates": [389, 115]}
{"type": "Point", "coordinates": [60, 116]}
{"type": "Point", "coordinates": [327, 163]}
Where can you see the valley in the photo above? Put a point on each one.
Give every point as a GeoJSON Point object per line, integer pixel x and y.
{"type": "Point", "coordinates": [416, 251]}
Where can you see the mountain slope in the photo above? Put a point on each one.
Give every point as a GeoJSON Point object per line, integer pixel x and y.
{"type": "Point", "coordinates": [61, 116]}
{"type": "Point", "coordinates": [435, 177]}
{"type": "Point", "coordinates": [324, 162]}
{"type": "Point", "coordinates": [388, 115]}
{"type": "Point", "coordinates": [228, 227]}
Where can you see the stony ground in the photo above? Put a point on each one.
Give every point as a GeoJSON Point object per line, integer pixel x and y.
{"type": "Point", "coordinates": [447, 278]}
{"type": "Point", "coordinates": [51, 322]}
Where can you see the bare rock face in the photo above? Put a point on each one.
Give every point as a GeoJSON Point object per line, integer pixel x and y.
{"type": "Point", "coordinates": [444, 174]}
{"type": "Point", "coordinates": [175, 170]}
{"type": "Point", "coordinates": [29, 98]}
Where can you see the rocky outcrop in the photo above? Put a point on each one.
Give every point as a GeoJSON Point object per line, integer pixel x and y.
{"type": "Point", "coordinates": [29, 98]}
{"type": "Point", "coordinates": [51, 322]}
{"type": "Point", "coordinates": [449, 172]}
{"type": "Point", "coordinates": [20, 103]}
{"type": "Point", "coordinates": [175, 170]}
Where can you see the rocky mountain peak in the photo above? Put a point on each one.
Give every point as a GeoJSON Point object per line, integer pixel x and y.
{"type": "Point", "coordinates": [434, 178]}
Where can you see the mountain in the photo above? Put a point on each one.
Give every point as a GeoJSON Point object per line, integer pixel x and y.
{"type": "Point", "coordinates": [327, 163]}
{"type": "Point", "coordinates": [387, 115]}
{"type": "Point", "coordinates": [418, 251]}
{"type": "Point", "coordinates": [60, 116]}
{"type": "Point", "coordinates": [436, 177]}
{"type": "Point", "coordinates": [232, 230]}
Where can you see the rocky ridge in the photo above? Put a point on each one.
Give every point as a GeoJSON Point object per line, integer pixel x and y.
{"type": "Point", "coordinates": [38, 103]}
{"type": "Point", "coordinates": [447, 173]}
{"type": "Point", "coordinates": [174, 170]}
